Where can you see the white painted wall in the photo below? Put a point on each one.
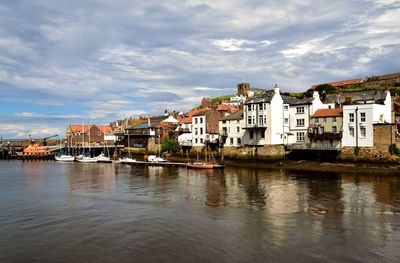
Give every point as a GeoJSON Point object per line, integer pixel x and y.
{"type": "Point", "coordinates": [232, 131]}
{"type": "Point", "coordinates": [198, 123]}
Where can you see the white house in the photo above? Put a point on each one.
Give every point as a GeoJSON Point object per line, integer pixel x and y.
{"type": "Point", "coordinates": [199, 129]}
{"type": "Point", "coordinates": [300, 114]}
{"type": "Point", "coordinates": [266, 118]}
{"type": "Point", "coordinates": [360, 111]}
{"type": "Point", "coordinates": [231, 129]}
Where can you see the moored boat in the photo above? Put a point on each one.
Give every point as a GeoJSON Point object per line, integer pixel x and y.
{"type": "Point", "coordinates": [200, 165]}
{"type": "Point", "coordinates": [103, 159]}
{"type": "Point", "coordinates": [64, 158]}
{"type": "Point", "coordinates": [87, 159]}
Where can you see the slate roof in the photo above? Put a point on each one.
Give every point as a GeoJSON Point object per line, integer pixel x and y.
{"type": "Point", "coordinates": [303, 101]}
{"type": "Point", "coordinates": [238, 115]}
{"type": "Point", "coordinates": [378, 96]}
{"type": "Point", "coordinates": [267, 97]}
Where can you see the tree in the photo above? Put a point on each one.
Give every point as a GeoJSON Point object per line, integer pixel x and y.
{"type": "Point", "coordinates": [170, 145]}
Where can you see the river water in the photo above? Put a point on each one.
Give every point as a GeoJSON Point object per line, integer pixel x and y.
{"type": "Point", "coordinates": [74, 212]}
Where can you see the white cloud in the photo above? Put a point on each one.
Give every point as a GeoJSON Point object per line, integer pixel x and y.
{"type": "Point", "coordinates": [239, 44]}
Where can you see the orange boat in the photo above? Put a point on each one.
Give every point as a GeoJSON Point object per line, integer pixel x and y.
{"type": "Point", "coordinates": [35, 150]}
{"type": "Point", "coordinates": [199, 165]}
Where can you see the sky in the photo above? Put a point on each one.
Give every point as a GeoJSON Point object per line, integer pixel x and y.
{"type": "Point", "coordinates": [95, 61]}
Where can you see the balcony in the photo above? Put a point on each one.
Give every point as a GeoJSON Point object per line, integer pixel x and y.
{"type": "Point", "coordinates": [325, 136]}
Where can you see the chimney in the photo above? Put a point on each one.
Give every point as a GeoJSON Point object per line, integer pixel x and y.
{"type": "Point", "coordinates": [315, 95]}
{"type": "Point", "coordinates": [276, 89]}
{"type": "Point", "coordinates": [347, 99]}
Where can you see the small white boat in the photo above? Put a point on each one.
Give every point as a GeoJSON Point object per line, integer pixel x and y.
{"type": "Point", "coordinates": [155, 159]}
{"type": "Point", "coordinates": [64, 158]}
{"type": "Point", "coordinates": [126, 160]}
{"type": "Point", "coordinates": [87, 159]}
{"type": "Point", "coordinates": [103, 159]}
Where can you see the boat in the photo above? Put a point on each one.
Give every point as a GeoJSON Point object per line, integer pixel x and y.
{"type": "Point", "coordinates": [155, 159]}
{"type": "Point", "coordinates": [200, 165]}
{"type": "Point", "coordinates": [35, 151]}
{"type": "Point", "coordinates": [208, 164]}
{"type": "Point", "coordinates": [126, 160]}
{"type": "Point", "coordinates": [64, 158]}
{"type": "Point", "coordinates": [87, 159]}
{"type": "Point", "coordinates": [103, 159]}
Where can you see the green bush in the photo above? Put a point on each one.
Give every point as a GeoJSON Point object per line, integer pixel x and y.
{"type": "Point", "coordinates": [394, 150]}
{"type": "Point", "coordinates": [170, 145]}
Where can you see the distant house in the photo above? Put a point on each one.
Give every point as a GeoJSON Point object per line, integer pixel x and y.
{"type": "Point", "coordinates": [205, 127]}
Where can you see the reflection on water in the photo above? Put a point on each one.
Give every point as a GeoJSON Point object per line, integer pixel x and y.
{"type": "Point", "coordinates": [123, 213]}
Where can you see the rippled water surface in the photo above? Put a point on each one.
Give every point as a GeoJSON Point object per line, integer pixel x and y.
{"type": "Point", "coordinates": [61, 212]}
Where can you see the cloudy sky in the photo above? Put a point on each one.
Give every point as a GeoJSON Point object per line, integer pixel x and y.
{"type": "Point", "coordinates": [98, 60]}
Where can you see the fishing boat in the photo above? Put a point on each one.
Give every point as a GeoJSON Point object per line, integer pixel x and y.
{"type": "Point", "coordinates": [210, 163]}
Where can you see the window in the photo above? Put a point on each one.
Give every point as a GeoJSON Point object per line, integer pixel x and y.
{"type": "Point", "coordinates": [329, 107]}
{"type": "Point", "coordinates": [224, 122]}
{"type": "Point", "coordinates": [237, 129]}
{"type": "Point", "coordinates": [300, 122]}
{"type": "Point", "coordinates": [334, 119]}
{"type": "Point", "coordinates": [286, 107]}
{"type": "Point", "coordinates": [254, 119]}
{"type": "Point", "coordinates": [265, 106]}
{"type": "Point", "coordinates": [325, 119]}
{"type": "Point", "coordinates": [195, 140]}
{"type": "Point", "coordinates": [239, 141]}
{"type": "Point", "coordinates": [201, 120]}
{"type": "Point", "coordinates": [262, 133]}
{"type": "Point", "coordinates": [195, 120]}
{"type": "Point", "coordinates": [321, 130]}
{"type": "Point", "coordinates": [261, 120]}
{"type": "Point", "coordinates": [362, 132]}
{"type": "Point", "coordinates": [286, 120]}
{"type": "Point", "coordinates": [351, 132]}
{"type": "Point", "coordinates": [231, 141]}
{"type": "Point", "coordinates": [201, 131]}
{"type": "Point", "coordinates": [201, 140]}
{"type": "Point", "coordinates": [317, 120]}
{"type": "Point", "coordinates": [249, 120]}
{"type": "Point", "coordinates": [249, 107]}
{"type": "Point", "coordinates": [260, 106]}
{"type": "Point", "coordinates": [351, 118]}
{"type": "Point", "coordinates": [195, 131]}
{"type": "Point", "coordinates": [99, 133]}
{"type": "Point", "coordinates": [299, 110]}
{"type": "Point", "coordinates": [362, 116]}
{"type": "Point", "coordinates": [251, 135]}
{"type": "Point", "coordinates": [334, 129]}
{"type": "Point", "coordinates": [300, 136]}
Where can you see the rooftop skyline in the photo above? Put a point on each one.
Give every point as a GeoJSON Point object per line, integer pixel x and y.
{"type": "Point", "coordinates": [97, 61]}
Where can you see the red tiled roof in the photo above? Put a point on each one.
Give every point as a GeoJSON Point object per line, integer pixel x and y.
{"type": "Point", "coordinates": [190, 115]}
{"type": "Point", "coordinates": [105, 129]}
{"type": "Point", "coordinates": [227, 107]}
{"type": "Point", "coordinates": [341, 83]}
{"type": "Point", "coordinates": [79, 127]}
{"type": "Point", "coordinates": [328, 113]}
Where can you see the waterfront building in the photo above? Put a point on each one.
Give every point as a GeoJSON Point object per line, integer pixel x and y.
{"type": "Point", "coordinates": [231, 129]}
{"type": "Point", "coordinates": [205, 127]}
{"type": "Point", "coordinates": [361, 110]}
{"type": "Point", "coordinates": [325, 129]}
{"type": "Point", "coordinates": [266, 118]}
{"type": "Point", "coordinates": [300, 113]}
{"type": "Point", "coordinates": [80, 135]}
